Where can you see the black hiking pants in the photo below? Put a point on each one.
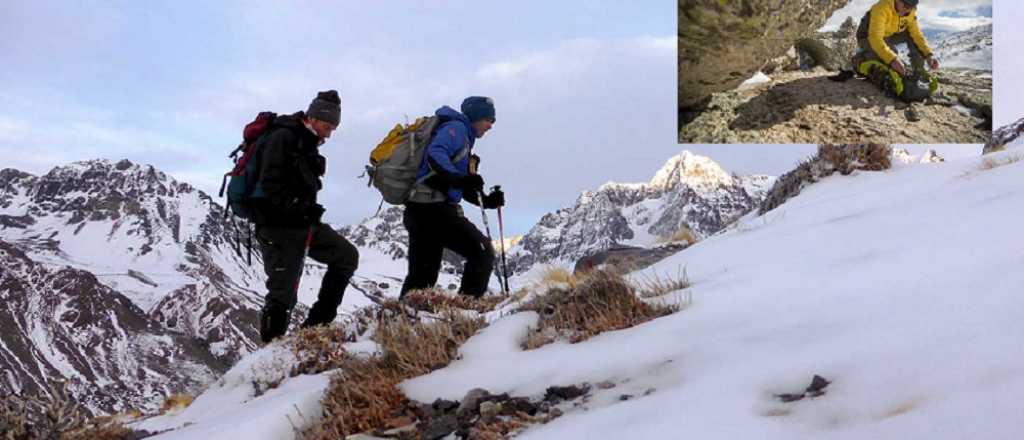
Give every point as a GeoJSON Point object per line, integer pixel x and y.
{"type": "Point", "coordinates": [283, 249]}
{"type": "Point", "coordinates": [434, 227]}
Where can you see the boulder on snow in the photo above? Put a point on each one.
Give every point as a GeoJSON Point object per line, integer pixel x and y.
{"type": "Point", "coordinates": [815, 389]}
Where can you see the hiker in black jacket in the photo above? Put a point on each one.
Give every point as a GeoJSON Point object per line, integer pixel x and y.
{"type": "Point", "coordinates": [433, 217]}
{"type": "Point", "coordinates": [287, 216]}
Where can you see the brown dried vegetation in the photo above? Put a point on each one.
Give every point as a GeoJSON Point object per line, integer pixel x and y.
{"type": "Point", "coordinates": [600, 301]}
{"type": "Point", "coordinates": [364, 395]}
{"type": "Point", "coordinates": [55, 416]}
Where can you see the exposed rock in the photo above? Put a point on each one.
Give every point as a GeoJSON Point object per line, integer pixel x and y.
{"type": "Point", "coordinates": [931, 156]}
{"type": "Point", "coordinates": [482, 415]}
{"type": "Point", "coordinates": [471, 403]}
{"type": "Point", "coordinates": [815, 389]}
{"type": "Point", "coordinates": [721, 43]}
{"type": "Point", "coordinates": [830, 50]}
{"type": "Point", "coordinates": [624, 259]}
{"type": "Point", "coordinates": [785, 62]}
{"type": "Point", "coordinates": [830, 159]}
{"type": "Point", "coordinates": [805, 107]}
{"type": "Point", "coordinates": [1001, 137]}
{"type": "Point", "coordinates": [557, 394]}
{"type": "Point", "coordinates": [489, 410]}
{"type": "Point", "coordinates": [439, 427]}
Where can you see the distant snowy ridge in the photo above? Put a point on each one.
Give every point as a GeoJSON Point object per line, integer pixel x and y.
{"type": "Point", "coordinates": [688, 191]}
{"type": "Point", "coordinates": [971, 48]}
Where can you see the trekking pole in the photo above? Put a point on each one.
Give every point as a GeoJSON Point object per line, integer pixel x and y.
{"type": "Point", "coordinates": [487, 226]}
{"type": "Point", "coordinates": [501, 236]}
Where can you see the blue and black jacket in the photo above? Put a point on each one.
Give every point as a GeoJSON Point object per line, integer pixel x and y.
{"type": "Point", "coordinates": [454, 134]}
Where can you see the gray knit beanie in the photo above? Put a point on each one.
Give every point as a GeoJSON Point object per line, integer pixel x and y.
{"type": "Point", "coordinates": [326, 107]}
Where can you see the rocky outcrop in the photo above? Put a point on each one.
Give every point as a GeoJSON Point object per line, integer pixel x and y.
{"type": "Point", "coordinates": [830, 50]}
{"type": "Point", "coordinates": [829, 160]}
{"type": "Point", "coordinates": [805, 107]}
{"type": "Point", "coordinates": [1004, 136]}
{"type": "Point", "coordinates": [721, 43]}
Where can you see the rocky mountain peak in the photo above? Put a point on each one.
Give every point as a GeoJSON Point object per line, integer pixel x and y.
{"type": "Point", "coordinates": [690, 192]}
{"type": "Point", "coordinates": [690, 169]}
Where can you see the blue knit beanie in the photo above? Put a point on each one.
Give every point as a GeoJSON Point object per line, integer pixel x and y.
{"type": "Point", "coordinates": [478, 107]}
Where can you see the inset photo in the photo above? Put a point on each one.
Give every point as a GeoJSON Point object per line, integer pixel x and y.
{"type": "Point", "coordinates": [835, 71]}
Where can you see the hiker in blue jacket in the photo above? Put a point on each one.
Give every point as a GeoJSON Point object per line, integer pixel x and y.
{"type": "Point", "coordinates": [433, 216]}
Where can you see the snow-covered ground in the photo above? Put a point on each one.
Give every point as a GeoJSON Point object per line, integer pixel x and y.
{"type": "Point", "coordinates": [903, 288]}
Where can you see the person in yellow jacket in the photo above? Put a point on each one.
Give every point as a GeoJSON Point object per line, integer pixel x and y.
{"type": "Point", "coordinates": [888, 24]}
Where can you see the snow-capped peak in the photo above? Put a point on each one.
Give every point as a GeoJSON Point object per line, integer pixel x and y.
{"type": "Point", "coordinates": [692, 169]}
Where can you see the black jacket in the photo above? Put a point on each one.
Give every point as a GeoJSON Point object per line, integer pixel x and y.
{"type": "Point", "coordinates": [290, 170]}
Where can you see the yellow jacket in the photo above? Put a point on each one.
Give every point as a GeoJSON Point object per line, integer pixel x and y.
{"type": "Point", "coordinates": [885, 22]}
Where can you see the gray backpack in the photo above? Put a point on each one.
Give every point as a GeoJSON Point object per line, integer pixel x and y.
{"type": "Point", "coordinates": [396, 160]}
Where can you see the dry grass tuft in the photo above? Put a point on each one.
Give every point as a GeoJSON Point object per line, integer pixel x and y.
{"type": "Point", "coordinates": [364, 395]}
{"type": "Point", "coordinates": [436, 300]}
{"type": "Point", "coordinates": [684, 234]}
{"type": "Point", "coordinates": [601, 301]}
{"type": "Point", "coordinates": [846, 158]}
{"type": "Point", "coordinates": [319, 348]}
{"type": "Point", "coordinates": [989, 163]}
{"type": "Point", "coordinates": [557, 275]}
{"type": "Point", "coordinates": [176, 402]}
{"type": "Point", "coordinates": [55, 416]}
{"type": "Point", "coordinates": [657, 285]}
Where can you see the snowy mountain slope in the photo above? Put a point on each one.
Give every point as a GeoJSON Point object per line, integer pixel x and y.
{"type": "Point", "coordinates": [140, 232]}
{"type": "Point", "coordinates": [971, 48]}
{"type": "Point", "coordinates": [63, 324]}
{"type": "Point", "coordinates": [165, 248]}
{"type": "Point", "coordinates": [899, 287]}
{"type": "Point", "coordinates": [689, 191]}
{"type": "Point", "coordinates": [871, 281]}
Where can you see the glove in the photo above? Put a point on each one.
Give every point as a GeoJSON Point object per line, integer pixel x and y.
{"type": "Point", "coordinates": [495, 199]}
{"type": "Point", "coordinates": [472, 182]}
{"type": "Point", "coordinates": [313, 213]}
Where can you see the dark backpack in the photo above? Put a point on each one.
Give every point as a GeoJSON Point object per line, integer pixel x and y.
{"type": "Point", "coordinates": [242, 182]}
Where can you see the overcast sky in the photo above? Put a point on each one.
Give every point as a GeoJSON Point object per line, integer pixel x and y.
{"type": "Point", "coordinates": [585, 91]}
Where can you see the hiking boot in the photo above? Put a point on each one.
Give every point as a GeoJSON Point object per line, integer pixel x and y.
{"type": "Point", "coordinates": [319, 315]}
{"type": "Point", "coordinates": [273, 322]}
{"type": "Point", "coordinates": [912, 114]}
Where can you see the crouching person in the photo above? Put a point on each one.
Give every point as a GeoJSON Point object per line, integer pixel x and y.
{"type": "Point", "coordinates": [287, 216]}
